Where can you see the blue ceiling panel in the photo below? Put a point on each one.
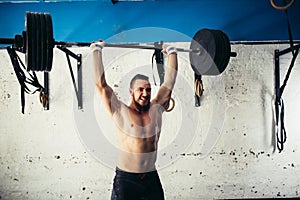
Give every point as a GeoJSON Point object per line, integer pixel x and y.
{"type": "Point", "coordinates": [243, 20]}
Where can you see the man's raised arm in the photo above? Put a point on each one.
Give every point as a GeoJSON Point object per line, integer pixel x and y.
{"type": "Point", "coordinates": [165, 91]}
{"type": "Point", "coordinates": [110, 100]}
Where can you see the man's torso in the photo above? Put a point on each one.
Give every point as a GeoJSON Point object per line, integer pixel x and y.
{"type": "Point", "coordinates": [138, 135]}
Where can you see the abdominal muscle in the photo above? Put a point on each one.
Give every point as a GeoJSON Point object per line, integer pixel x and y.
{"type": "Point", "coordinates": [137, 154]}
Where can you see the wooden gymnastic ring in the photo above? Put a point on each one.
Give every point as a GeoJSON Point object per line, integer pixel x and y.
{"type": "Point", "coordinates": [44, 99]}
{"type": "Point", "coordinates": [282, 7]}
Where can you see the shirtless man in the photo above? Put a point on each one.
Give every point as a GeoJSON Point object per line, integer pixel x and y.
{"type": "Point", "coordinates": [138, 127]}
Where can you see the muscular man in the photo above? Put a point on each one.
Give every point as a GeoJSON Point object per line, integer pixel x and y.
{"type": "Point", "coordinates": [138, 127]}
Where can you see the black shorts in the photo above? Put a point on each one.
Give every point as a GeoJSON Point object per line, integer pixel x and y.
{"type": "Point", "coordinates": [135, 186]}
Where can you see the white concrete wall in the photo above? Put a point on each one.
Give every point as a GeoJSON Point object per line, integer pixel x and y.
{"type": "Point", "coordinates": [51, 154]}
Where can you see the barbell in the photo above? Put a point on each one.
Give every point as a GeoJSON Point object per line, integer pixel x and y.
{"type": "Point", "coordinates": [209, 51]}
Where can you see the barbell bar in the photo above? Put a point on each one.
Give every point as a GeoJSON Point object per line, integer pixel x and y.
{"type": "Point", "coordinates": [209, 51]}
{"type": "Point", "coordinates": [132, 46]}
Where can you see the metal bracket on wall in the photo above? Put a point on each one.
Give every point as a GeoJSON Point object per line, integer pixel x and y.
{"type": "Point", "coordinates": [279, 105]}
{"type": "Point", "coordinates": [159, 57]}
{"type": "Point", "coordinates": [78, 86]}
{"type": "Point", "coordinates": [46, 88]}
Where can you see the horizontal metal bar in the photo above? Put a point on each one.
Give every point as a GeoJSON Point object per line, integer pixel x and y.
{"type": "Point", "coordinates": [285, 51]}
{"type": "Point", "coordinates": [263, 42]}
{"type": "Point", "coordinates": [132, 46]}
{"type": "Point", "coordinates": [233, 54]}
{"type": "Point", "coordinates": [149, 47]}
{"type": "Point", "coordinates": [7, 40]}
{"type": "Point", "coordinates": [70, 44]}
{"type": "Point", "coordinates": [137, 46]}
{"type": "Point", "coordinates": [68, 52]}
{"type": "Point", "coordinates": [159, 47]}
{"type": "Point", "coordinates": [82, 44]}
{"type": "Point", "coordinates": [86, 44]}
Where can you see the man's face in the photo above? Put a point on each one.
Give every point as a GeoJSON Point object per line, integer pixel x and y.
{"type": "Point", "coordinates": [141, 94]}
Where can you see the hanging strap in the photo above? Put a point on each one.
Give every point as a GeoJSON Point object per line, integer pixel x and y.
{"type": "Point", "coordinates": [153, 69]}
{"type": "Point", "coordinates": [159, 57]}
{"type": "Point", "coordinates": [22, 78]}
{"type": "Point", "coordinates": [280, 131]}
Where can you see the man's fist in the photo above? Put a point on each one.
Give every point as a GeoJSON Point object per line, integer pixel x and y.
{"type": "Point", "coordinates": [97, 45]}
{"type": "Point", "coordinates": [169, 49]}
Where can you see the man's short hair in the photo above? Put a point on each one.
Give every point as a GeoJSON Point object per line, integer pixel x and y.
{"type": "Point", "coordinates": [138, 77]}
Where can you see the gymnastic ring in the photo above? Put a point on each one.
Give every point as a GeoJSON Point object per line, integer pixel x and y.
{"type": "Point", "coordinates": [198, 87]}
{"type": "Point", "coordinates": [282, 7]}
{"type": "Point", "coordinates": [44, 100]}
{"type": "Point", "coordinates": [173, 105]}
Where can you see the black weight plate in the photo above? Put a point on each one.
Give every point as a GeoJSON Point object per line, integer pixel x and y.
{"type": "Point", "coordinates": [227, 50]}
{"type": "Point", "coordinates": [38, 41]}
{"type": "Point", "coordinates": [221, 51]}
{"type": "Point", "coordinates": [215, 69]}
{"type": "Point", "coordinates": [203, 62]}
{"type": "Point", "coordinates": [33, 42]}
{"type": "Point", "coordinates": [43, 42]}
{"type": "Point", "coordinates": [50, 42]}
{"type": "Point", "coordinates": [24, 35]}
{"type": "Point", "coordinates": [28, 33]}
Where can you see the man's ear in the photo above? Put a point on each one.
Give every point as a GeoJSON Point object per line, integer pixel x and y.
{"type": "Point", "coordinates": [130, 91]}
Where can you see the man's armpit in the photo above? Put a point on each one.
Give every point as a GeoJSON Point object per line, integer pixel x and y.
{"type": "Point", "coordinates": [115, 103]}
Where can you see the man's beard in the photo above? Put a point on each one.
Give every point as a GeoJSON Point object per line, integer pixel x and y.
{"type": "Point", "coordinates": [142, 108]}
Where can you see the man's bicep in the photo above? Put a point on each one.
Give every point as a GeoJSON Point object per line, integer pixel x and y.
{"type": "Point", "coordinates": [163, 96]}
